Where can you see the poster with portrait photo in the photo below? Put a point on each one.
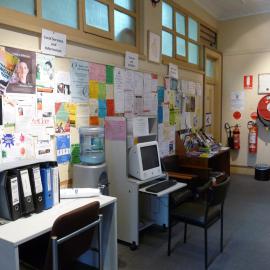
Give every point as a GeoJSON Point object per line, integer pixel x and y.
{"type": "Point", "coordinates": [23, 79]}
{"type": "Point", "coordinates": [45, 73]}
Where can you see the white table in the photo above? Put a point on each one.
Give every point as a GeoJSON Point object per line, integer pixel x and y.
{"type": "Point", "coordinates": [24, 229]}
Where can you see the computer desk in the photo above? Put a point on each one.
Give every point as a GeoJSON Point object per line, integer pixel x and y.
{"type": "Point", "coordinates": [15, 233]}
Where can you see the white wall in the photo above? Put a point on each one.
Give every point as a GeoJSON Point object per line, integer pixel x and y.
{"type": "Point", "coordinates": [245, 44]}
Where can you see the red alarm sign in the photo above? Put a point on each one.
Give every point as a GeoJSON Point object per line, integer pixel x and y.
{"type": "Point", "coordinates": [248, 82]}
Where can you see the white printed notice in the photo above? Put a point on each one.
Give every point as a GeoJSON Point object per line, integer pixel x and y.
{"type": "Point", "coordinates": [173, 71]}
{"type": "Point", "coordinates": [132, 61]}
{"type": "Point", "coordinates": [79, 81]}
{"type": "Point", "coordinates": [140, 126]}
{"type": "Point", "coordinates": [53, 43]}
{"type": "Point", "coordinates": [119, 86]}
{"type": "Point", "coordinates": [237, 101]}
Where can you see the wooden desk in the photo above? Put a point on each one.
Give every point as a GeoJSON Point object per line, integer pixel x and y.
{"type": "Point", "coordinates": [15, 233]}
{"type": "Point", "coordinates": [218, 162]}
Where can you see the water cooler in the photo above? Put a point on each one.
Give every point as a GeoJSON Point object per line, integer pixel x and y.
{"type": "Point", "coordinates": [92, 171]}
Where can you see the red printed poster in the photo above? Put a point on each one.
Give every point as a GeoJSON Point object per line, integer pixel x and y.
{"type": "Point", "coordinates": [248, 82]}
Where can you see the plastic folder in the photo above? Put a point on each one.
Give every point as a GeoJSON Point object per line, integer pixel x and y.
{"type": "Point", "coordinates": [47, 187]}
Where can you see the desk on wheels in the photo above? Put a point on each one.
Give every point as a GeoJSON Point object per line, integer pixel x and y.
{"type": "Point", "coordinates": [218, 162]}
{"type": "Point", "coordinates": [15, 233]}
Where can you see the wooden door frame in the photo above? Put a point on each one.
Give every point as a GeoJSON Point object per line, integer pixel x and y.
{"type": "Point", "coordinates": [217, 56]}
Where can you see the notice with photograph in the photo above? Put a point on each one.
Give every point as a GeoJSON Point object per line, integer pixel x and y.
{"type": "Point", "coordinates": [62, 80]}
{"type": "Point", "coordinates": [79, 81]}
{"type": "Point", "coordinates": [8, 63]}
{"type": "Point", "coordinates": [45, 73]}
{"type": "Point", "coordinates": [23, 79]}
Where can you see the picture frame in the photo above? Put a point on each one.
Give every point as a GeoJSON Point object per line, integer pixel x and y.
{"type": "Point", "coordinates": [264, 83]}
{"type": "Point", "coordinates": [154, 47]}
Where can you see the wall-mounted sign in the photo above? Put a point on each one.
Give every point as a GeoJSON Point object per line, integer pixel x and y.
{"type": "Point", "coordinates": [53, 43]}
{"type": "Point", "coordinates": [173, 71]}
{"type": "Point", "coordinates": [264, 83]}
{"type": "Point", "coordinates": [132, 61]}
{"type": "Point", "coordinates": [248, 82]}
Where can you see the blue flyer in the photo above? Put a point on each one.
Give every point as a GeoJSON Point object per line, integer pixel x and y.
{"type": "Point", "coordinates": [63, 148]}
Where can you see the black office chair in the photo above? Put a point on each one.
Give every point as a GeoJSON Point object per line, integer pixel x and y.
{"type": "Point", "coordinates": [70, 237]}
{"type": "Point", "coordinates": [203, 212]}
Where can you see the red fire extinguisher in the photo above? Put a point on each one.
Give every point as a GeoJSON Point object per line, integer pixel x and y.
{"type": "Point", "coordinates": [252, 137]}
{"type": "Point", "coordinates": [236, 137]}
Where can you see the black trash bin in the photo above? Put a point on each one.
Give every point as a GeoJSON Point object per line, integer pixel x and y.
{"type": "Point", "coordinates": [262, 172]}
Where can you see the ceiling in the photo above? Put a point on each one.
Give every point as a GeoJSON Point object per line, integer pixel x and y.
{"type": "Point", "coordinates": [229, 9]}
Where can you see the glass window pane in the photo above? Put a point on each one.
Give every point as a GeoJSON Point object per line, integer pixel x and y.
{"type": "Point", "coordinates": [25, 6]}
{"type": "Point", "coordinates": [180, 24]}
{"type": "Point", "coordinates": [124, 28]}
{"type": "Point", "coordinates": [97, 14]}
{"type": "Point", "coordinates": [167, 15]}
{"type": "Point", "coordinates": [209, 68]}
{"type": "Point", "coordinates": [193, 53]}
{"type": "Point", "coordinates": [61, 11]}
{"type": "Point", "coordinates": [192, 29]}
{"type": "Point", "coordinates": [127, 4]}
{"type": "Point", "coordinates": [180, 46]}
{"type": "Point", "coordinates": [167, 44]}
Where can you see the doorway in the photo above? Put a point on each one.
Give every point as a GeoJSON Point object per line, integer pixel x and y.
{"type": "Point", "coordinates": [213, 93]}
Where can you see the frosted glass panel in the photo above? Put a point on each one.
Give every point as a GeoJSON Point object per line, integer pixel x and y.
{"type": "Point", "coordinates": [61, 11]}
{"type": "Point", "coordinates": [192, 29]}
{"type": "Point", "coordinates": [167, 15]}
{"type": "Point", "coordinates": [210, 68]}
{"type": "Point", "coordinates": [25, 6]}
{"type": "Point", "coordinates": [167, 44]}
{"type": "Point", "coordinates": [127, 4]}
{"type": "Point", "coordinates": [193, 53]}
{"type": "Point", "coordinates": [180, 46]}
{"type": "Point", "coordinates": [124, 28]}
{"type": "Point", "coordinates": [180, 24]}
{"type": "Point", "coordinates": [97, 14]}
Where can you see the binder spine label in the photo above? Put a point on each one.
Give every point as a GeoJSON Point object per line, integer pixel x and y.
{"type": "Point", "coordinates": [26, 183]}
{"type": "Point", "coordinates": [37, 180]}
{"type": "Point", "coordinates": [49, 183]}
{"type": "Point", "coordinates": [14, 191]}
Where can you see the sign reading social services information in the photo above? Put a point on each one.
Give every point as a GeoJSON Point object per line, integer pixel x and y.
{"type": "Point", "coordinates": [53, 43]}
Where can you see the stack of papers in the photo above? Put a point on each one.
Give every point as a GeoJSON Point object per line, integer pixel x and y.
{"type": "Point", "coordinates": [67, 193]}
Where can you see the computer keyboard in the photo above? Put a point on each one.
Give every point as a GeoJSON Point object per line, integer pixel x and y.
{"type": "Point", "coordinates": [160, 186]}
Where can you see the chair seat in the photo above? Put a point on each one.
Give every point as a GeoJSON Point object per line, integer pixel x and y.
{"type": "Point", "coordinates": [194, 213]}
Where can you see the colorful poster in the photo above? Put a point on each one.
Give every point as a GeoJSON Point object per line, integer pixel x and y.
{"type": "Point", "coordinates": [8, 63]}
{"type": "Point", "coordinates": [23, 79]}
{"type": "Point", "coordinates": [16, 146]}
{"type": "Point", "coordinates": [62, 120]}
{"type": "Point", "coordinates": [79, 81]}
{"type": "Point", "coordinates": [63, 148]}
{"type": "Point", "coordinates": [45, 73]}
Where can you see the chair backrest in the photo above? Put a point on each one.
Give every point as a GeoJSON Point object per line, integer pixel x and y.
{"type": "Point", "coordinates": [217, 193]}
{"type": "Point", "coordinates": [68, 223]}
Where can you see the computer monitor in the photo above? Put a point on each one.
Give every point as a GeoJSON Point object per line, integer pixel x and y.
{"type": "Point", "coordinates": [144, 160]}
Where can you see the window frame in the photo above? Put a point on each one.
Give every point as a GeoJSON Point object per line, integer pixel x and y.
{"type": "Point", "coordinates": [34, 24]}
{"type": "Point", "coordinates": [176, 58]}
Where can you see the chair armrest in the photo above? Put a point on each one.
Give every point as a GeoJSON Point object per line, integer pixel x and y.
{"type": "Point", "coordinates": [180, 196]}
